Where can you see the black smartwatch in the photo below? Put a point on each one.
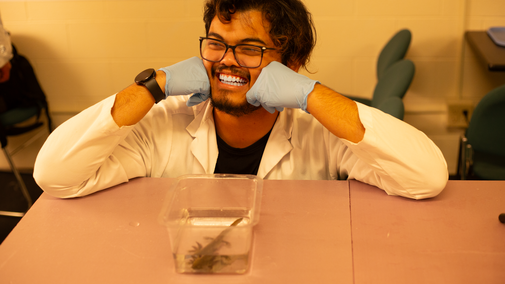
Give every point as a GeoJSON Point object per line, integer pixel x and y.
{"type": "Point", "coordinates": [147, 78]}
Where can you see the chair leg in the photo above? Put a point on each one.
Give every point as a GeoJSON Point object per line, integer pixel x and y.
{"type": "Point", "coordinates": [49, 120]}
{"type": "Point", "coordinates": [22, 186]}
{"type": "Point", "coordinates": [462, 159]}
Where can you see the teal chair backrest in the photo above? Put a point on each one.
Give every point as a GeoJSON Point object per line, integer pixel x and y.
{"type": "Point", "coordinates": [486, 130]}
{"type": "Point", "coordinates": [393, 51]}
{"type": "Point", "coordinates": [486, 135]}
{"type": "Point", "coordinates": [394, 83]}
{"type": "Point", "coordinates": [393, 106]}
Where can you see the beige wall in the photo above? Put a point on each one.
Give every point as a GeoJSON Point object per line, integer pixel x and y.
{"type": "Point", "coordinates": [84, 51]}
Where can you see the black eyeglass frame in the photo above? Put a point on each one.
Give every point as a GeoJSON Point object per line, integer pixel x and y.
{"type": "Point", "coordinates": [263, 49]}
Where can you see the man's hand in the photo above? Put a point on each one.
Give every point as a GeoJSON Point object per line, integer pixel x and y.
{"type": "Point", "coordinates": [183, 78]}
{"type": "Point", "coordinates": [187, 77]}
{"type": "Point", "coordinates": [278, 87]}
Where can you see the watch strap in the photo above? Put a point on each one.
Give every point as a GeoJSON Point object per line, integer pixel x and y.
{"type": "Point", "coordinates": [154, 88]}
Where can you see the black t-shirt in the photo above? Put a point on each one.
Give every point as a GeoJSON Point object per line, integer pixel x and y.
{"type": "Point", "coordinates": [240, 160]}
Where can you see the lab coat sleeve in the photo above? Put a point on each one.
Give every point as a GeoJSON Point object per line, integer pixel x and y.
{"type": "Point", "coordinates": [395, 157]}
{"type": "Point", "coordinates": [87, 153]}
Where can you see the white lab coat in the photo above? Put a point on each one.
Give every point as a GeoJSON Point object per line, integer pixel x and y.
{"type": "Point", "coordinates": [90, 152]}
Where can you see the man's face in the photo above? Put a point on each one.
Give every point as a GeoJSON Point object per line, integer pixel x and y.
{"type": "Point", "coordinates": [244, 28]}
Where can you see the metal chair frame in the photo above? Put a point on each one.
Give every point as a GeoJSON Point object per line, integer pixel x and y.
{"type": "Point", "coordinates": [8, 155]}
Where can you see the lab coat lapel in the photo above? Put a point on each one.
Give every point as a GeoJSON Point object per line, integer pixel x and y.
{"type": "Point", "coordinates": [204, 145]}
{"type": "Point", "coordinates": [279, 143]}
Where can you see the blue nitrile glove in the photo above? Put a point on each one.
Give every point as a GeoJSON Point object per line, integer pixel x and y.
{"type": "Point", "coordinates": [278, 87]}
{"type": "Point", "coordinates": [187, 77]}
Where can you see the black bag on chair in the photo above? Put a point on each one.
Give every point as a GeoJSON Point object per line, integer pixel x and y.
{"type": "Point", "coordinates": [21, 100]}
{"type": "Point", "coordinates": [22, 90]}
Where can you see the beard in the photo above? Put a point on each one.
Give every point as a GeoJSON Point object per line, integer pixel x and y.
{"type": "Point", "coordinates": [224, 103]}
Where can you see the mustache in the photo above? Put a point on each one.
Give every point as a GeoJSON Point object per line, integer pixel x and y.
{"type": "Point", "coordinates": [233, 70]}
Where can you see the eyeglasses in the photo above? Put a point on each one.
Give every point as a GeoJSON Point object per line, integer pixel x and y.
{"type": "Point", "coordinates": [247, 55]}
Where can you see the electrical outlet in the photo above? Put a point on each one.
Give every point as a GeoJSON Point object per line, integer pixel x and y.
{"type": "Point", "coordinates": [459, 113]}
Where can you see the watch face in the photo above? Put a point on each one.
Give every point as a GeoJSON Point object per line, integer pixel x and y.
{"type": "Point", "coordinates": [144, 76]}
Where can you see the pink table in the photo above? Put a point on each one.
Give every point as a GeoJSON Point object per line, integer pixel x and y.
{"type": "Point", "coordinates": [453, 238]}
{"type": "Point", "coordinates": [304, 236]}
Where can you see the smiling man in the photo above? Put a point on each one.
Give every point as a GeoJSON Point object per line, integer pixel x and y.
{"type": "Point", "coordinates": [240, 108]}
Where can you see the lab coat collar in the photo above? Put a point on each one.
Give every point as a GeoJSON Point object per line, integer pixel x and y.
{"type": "Point", "coordinates": [279, 143]}
{"type": "Point", "coordinates": [204, 145]}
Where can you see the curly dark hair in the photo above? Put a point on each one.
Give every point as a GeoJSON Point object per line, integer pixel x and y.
{"type": "Point", "coordinates": [292, 29]}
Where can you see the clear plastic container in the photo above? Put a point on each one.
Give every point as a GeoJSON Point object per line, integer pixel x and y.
{"type": "Point", "coordinates": [210, 221]}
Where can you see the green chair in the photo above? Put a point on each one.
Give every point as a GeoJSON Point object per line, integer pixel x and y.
{"type": "Point", "coordinates": [394, 84]}
{"type": "Point", "coordinates": [393, 51]}
{"type": "Point", "coordinates": [23, 117]}
{"type": "Point", "coordinates": [8, 120]}
{"type": "Point", "coordinates": [394, 75]}
{"type": "Point", "coordinates": [393, 106]}
{"type": "Point", "coordinates": [482, 148]}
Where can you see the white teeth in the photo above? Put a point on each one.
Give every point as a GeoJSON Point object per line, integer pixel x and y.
{"type": "Point", "coordinates": [232, 80]}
